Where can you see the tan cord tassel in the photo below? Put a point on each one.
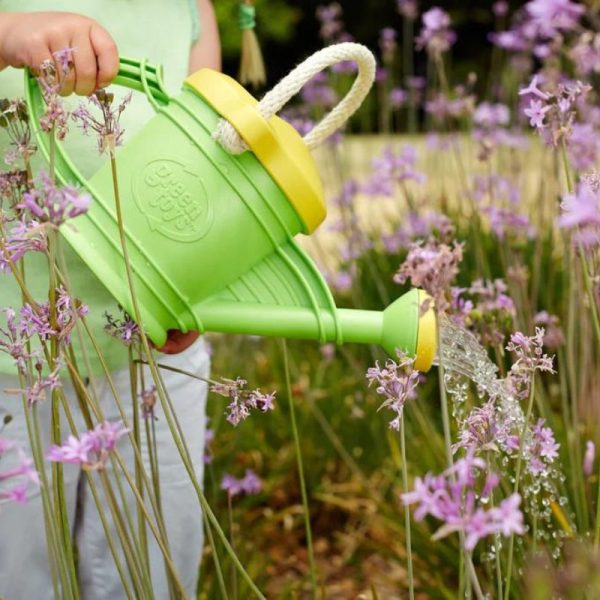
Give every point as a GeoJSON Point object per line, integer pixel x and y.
{"type": "Point", "coordinates": [252, 66]}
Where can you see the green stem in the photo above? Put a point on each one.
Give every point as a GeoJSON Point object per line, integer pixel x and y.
{"type": "Point", "coordinates": [141, 525]}
{"type": "Point", "coordinates": [511, 543]}
{"type": "Point", "coordinates": [300, 465]}
{"type": "Point", "coordinates": [165, 403]}
{"type": "Point", "coordinates": [409, 563]}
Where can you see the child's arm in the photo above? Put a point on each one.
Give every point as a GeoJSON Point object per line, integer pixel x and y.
{"type": "Point", "coordinates": [207, 50]}
{"type": "Point", "coordinates": [28, 39]}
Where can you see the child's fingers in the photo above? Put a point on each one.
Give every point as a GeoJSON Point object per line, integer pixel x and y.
{"type": "Point", "coordinates": [36, 54]}
{"type": "Point", "coordinates": [107, 55]}
{"type": "Point", "coordinates": [85, 65]}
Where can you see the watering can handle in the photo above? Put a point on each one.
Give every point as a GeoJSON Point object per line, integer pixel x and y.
{"type": "Point", "coordinates": [291, 84]}
{"type": "Point", "coordinates": [134, 74]}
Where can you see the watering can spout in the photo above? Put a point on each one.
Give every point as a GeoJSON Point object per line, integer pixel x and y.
{"type": "Point", "coordinates": [401, 326]}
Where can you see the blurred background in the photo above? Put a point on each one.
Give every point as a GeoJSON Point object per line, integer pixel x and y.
{"type": "Point", "coordinates": [289, 31]}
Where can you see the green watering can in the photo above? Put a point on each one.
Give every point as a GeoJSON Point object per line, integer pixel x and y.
{"type": "Point", "coordinates": [213, 191]}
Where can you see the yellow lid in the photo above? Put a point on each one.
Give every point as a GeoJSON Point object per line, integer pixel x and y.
{"type": "Point", "coordinates": [427, 341]}
{"type": "Point", "coordinates": [277, 145]}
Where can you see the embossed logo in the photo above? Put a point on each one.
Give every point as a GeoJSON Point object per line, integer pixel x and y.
{"type": "Point", "coordinates": [173, 200]}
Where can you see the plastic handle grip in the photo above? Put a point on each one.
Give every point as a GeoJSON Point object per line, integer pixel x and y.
{"type": "Point", "coordinates": [133, 74]}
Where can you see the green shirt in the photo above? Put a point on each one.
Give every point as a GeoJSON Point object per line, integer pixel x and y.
{"type": "Point", "coordinates": [162, 31]}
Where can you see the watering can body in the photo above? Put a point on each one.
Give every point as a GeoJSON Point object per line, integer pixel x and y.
{"type": "Point", "coordinates": [210, 235]}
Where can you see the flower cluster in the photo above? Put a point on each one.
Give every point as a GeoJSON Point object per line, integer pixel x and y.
{"type": "Point", "coordinates": [250, 484]}
{"type": "Point", "coordinates": [49, 203]}
{"type": "Point", "coordinates": [332, 25]}
{"type": "Point", "coordinates": [530, 358]}
{"type": "Point", "coordinates": [553, 114]}
{"type": "Point", "coordinates": [541, 449]}
{"type": "Point", "coordinates": [16, 480]}
{"type": "Point", "coordinates": [391, 169]}
{"type": "Point", "coordinates": [485, 309]}
{"type": "Point", "coordinates": [92, 449]}
{"type": "Point", "coordinates": [432, 266]}
{"type": "Point", "coordinates": [457, 498]}
{"type": "Point", "coordinates": [242, 401]}
{"type": "Point", "coordinates": [540, 28]}
{"type": "Point", "coordinates": [484, 429]}
{"type": "Point", "coordinates": [35, 322]}
{"type": "Point", "coordinates": [56, 117]}
{"type": "Point", "coordinates": [396, 382]}
{"type": "Point", "coordinates": [443, 108]}
{"type": "Point", "coordinates": [12, 185]}
{"type": "Point", "coordinates": [123, 328]}
{"type": "Point", "coordinates": [408, 8]}
{"type": "Point", "coordinates": [418, 227]}
{"type": "Point", "coordinates": [318, 93]}
{"type": "Point", "coordinates": [581, 214]}
{"type": "Point", "coordinates": [108, 125]}
{"type": "Point", "coordinates": [23, 237]}
{"type": "Point", "coordinates": [436, 35]}
{"type": "Point", "coordinates": [554, 337]}
{"type": "Point", "coordinates": [14, 119]}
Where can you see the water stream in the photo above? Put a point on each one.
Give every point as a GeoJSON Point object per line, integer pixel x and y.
{"type": "Point", "coordinates": [464, 360]}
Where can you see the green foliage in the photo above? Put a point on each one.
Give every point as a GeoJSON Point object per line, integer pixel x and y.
{"type": "Point", "coordinates": [275, 20]}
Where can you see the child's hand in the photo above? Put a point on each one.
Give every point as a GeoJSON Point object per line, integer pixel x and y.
{"type": "Point", "coordinates": [28, 39]}
{"type": "Point", "coordinates": [178, 342]}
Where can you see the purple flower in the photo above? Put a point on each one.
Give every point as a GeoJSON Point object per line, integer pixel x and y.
{"type": "Point", "coordinates": [107, 125]}
{"type": "Point", "coordinates": [319, 93]}
{"type": "Point", "coordinates": [393, 168]}
{"type": "Point", "coordinates": [64, 59]}
{"type": "Point", "coordinates": [432, 266]}
{"type": "Point", "coordinates": [250, 484]}
{"type": "Point", "coordinates": [330, 18]}
{"type": "Point", "coordinates": [123, 329]}
{"type": "Point", "coordinates": [530, 357]}
{"type": "Point", "coordinates": [509, 224]}
{"type": "Point", "coordinates": [92, 449]}
{"type": "Point", "coordinates": [388, 42]}
{"type": "Point", "coordinates": [56, 116]}
{"type": "Point", "coordinates": [242, 401]}
{"type": "Point", "coordinates": [436, 35]}
{"type": "Point", "coordinates": [490, 116]}
{"type": "Point", "coordinates": [541, 449]}
{"type": "Point", "coordinates": [408, 8]}
{"type": "Point", "coordinates": [14, 119]}
{"type": "Point", "coordinates": [396, 382]}
{"type": "Point", "coordinates": [397, 98]}
{"type": "Point", "coordinates": [554, 337]}
{"type": "Point", "coordinates": [453, 499]}
{"type": "Point", "coordinates": [513, 41]}
{"type": "Point", "coordinates": [16, 480]}
{"type": "Point", "coordinates": [589, 458]}
{"type": "Point", "coordinates": [533, 90]}
{"type": "Point", "coordinates": [581, 213]}
{"type": "Point", "coordinates": [484, 429]}
{"type": "Point", "coordinates": [551, 16]}
{"type": "Point", "coordinates": [553, 114]}
{"type": "Point", "coordinates": [500, 8]}
{"type": "Point", "coordinates": [586, 54]}
{"type": "Point", "coordinates": [24, 237]}
{"type": "Point", "coordinates": [536, 113]}
{"type": "Point", "coordinates": [583, 146]}
{"type": "Point", "coordinates": [48, 203]}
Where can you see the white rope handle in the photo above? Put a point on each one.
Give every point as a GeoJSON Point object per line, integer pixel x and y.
{"type": "Point", "coordinates": [292, 83]}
